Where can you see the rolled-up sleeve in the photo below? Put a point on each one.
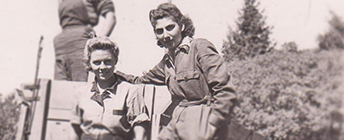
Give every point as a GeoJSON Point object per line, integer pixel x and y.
{"type": "Point", "coordinates": [218, 80]}
{"type": "Point", "coordinates": [137, 110]}
{"type": "Point", "coordinates": [76, 111]}
{"type": "Point", "coordinates": [104, 6]}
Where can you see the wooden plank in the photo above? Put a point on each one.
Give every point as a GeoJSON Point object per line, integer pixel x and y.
{"type": "Point", "coordinates": [62, 93]}
{"type": "Point", "coordinates": [155, 126]}
{"type": "Point", "coordinates": [59, 114]}
{"type": "Point", "coordinates": [23, 109]}
{"type": "Point", "coordinates": [162, 99]}
{"type": "Point", "coordinates": [148, 98]}
{"type": "Point", "coordinates": [61, 101]}
{"type": "Point", "coordinates": [40, 111]}
{"type": "Point", "coordinates": [58, 130]}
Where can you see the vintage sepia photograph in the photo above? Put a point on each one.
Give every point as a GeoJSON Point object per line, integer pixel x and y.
{"type": "Point", "coordinates": [172, 70]}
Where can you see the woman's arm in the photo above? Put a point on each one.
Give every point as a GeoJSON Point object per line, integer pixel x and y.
{"type": "Point", "coordinates": [110, 22]}
{"type": "Point", "coordinates": [154, 76]}
{"type": "Point", "coordinates": [137, 112]}
{"type": "Point", "coordinates": [106, 9]}
{"type": "Point", "coordinates": [215, 70]}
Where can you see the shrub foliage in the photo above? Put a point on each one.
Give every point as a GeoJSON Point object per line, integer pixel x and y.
{"type": "Point", "coordinates": [290, 95]}
{"type": "Point", "coordinates": [286, 94]}
{"type": "Point", "coordinates": [8, 117]}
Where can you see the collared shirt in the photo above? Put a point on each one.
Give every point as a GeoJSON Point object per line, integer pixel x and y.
{"type": "Point", "coordinates": [123, 107]}
{"type": "Point", "coordinates": [197, 71]}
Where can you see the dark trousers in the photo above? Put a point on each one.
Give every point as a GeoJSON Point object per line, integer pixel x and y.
{"type": "Point", "coordinates": [69, 53]}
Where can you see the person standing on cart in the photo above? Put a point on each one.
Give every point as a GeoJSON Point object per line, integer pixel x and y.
{"type": "Point", "coordinates": [77, 17]}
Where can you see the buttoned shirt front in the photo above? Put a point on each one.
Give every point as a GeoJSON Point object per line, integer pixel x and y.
{"type": "Point", "coordinates": [197, 71]}
{"type": "Point", "coordinates": [116, 115]}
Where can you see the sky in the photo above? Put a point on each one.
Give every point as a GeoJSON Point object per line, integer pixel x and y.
{"type": "Point", "coordinates": [24, 21]}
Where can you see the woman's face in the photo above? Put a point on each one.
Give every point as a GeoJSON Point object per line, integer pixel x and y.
{"type": "Point", "coordinates": [102, 63]}
{"type": "Point", "coordinates": [168, 32]}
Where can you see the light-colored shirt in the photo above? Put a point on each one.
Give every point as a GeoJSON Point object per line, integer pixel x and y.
{"type": "Point", "coordinates": [122, 108]}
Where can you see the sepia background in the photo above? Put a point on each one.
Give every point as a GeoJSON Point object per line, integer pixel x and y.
{"type": "Point", "coordinates": [24, 21]}
{"type": "Point", "coordinates": [292, 92]}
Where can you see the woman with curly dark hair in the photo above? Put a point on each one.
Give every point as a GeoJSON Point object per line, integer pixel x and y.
{"type": "Point", "coordinates": [196, 76]}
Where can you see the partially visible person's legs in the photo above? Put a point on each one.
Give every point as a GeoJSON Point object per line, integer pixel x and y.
{"type": "Point", "coordinates": [192, 123]}
{"type": "Point", "coordinates": [169, 132]}
{"type": "Point", "coordinates": [70, 67]}
{"type": "Point", "coordinates": [69, 50]}
{"type": "Point", "coordinates": [61, 72]}
{"type": "Point", "coordinates": [76, 67]}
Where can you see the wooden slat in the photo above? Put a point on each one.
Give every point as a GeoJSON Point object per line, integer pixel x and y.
{"type": "Point", "coordinates": [61, 101]}
{"type": "Point", "coordinates": [155, 126]}
{"type": "Point", "coordinates": [21, 121]}
{"type": "Point", "coordinates": [62, 96]}
{"type": "Point", "coordinates": [148, 97]}
{"type": "Point", "coordinates": [162, 99]}
{"type": "Point", "coordinates": [59, 114]}
{"type": "Point", "coordinates": [58, 130]}
{"type": "Point", "coordinates": [40, 111]}
{"type": "Point", "coordinates": [62, 93]}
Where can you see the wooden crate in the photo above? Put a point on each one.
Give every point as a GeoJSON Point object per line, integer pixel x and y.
{"type": "Point", "coordinates": [53, 109]}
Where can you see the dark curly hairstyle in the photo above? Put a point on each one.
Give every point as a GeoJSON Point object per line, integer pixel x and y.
{"type": "Point", "coordinates": [99, 43]}
{"type": "Point", "coordinates": [170, 10]}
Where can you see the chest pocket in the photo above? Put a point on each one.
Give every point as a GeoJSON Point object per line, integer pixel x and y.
{"type": "Point", "coordinates": [190, 82]}
{"type": "Point", "coordinates": [187, 76]}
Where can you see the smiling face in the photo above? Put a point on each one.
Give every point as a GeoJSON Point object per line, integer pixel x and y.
{"type": "Point", "coordinates": [168, 32]}
{"type": "Point", "coordinates": [102, 63]}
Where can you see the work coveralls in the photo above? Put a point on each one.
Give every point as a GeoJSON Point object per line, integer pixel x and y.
{"type": "Point", "coordinates": [198, 79]}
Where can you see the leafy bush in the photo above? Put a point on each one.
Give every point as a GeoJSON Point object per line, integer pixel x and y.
{"type": "Point", "coordinates": [290, 46]}
{"type": "Point", "coordinates": [8, 117]}
{"type": "Point", "coordinates": [290, 95]}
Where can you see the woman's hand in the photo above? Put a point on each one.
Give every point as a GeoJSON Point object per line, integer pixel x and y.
{"type": "Point", "coordinates": [89, 34]}
{"type": "Point", "coordinates": [76, 134]}
{"type": "Point", "coordinates": [140, 132]}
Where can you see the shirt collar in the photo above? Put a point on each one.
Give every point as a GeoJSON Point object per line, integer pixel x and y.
{"type": "Point", "coordinates": [111, 89]}
{"type": "Point", "coordinates": [184, 47]}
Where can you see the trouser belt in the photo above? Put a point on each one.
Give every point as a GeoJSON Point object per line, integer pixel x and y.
{"type": "Point", "coordinates": [206, 100]}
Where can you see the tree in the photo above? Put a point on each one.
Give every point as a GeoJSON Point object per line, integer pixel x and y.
{"type": "Point", "coordinates": [252, 35]}
{"type": "Point", "coordinates": [334, 37]}
{"type": "Point", "coordinates": [290, 46]}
